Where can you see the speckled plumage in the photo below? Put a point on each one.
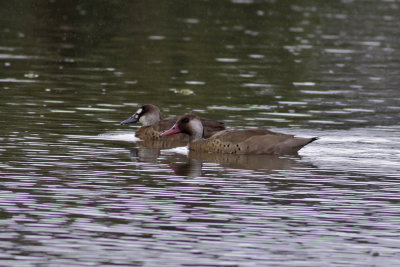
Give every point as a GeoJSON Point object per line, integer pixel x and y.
{"type": "Point", "coordinates": [248, 141]}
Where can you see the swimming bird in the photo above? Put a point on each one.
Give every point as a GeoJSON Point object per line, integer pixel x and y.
{"type": "Point", "coordinates": [154, 125]}
{"type": "Point", "coordinates": [247, 141]}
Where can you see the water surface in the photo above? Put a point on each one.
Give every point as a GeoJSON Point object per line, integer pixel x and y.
{"type": "Point", "coordinates": [77, 188]}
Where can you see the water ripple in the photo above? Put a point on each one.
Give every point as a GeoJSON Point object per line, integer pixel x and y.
{"type": "Point", "coordinates": [78, 189]}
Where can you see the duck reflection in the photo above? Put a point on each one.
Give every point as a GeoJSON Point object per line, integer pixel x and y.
{"type": "Point", "coordinates": [250, 162]}
{"type": "Point", "coordinates": [162, 144]}
{"type": "Point", "coordinates": [145, 154]}
{"type": "Point", "coordinates": [191, 165]}
{"type": "Point", "coordinates": [191, 168]}
{"type": "Point", "coordinates": [151, 158]}
{"type": "Point", "coordinates": [150, 150]}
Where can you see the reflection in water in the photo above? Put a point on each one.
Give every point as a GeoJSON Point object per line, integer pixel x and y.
{"type": "Point", "coordinates": [191, 165]}
{"type": "Point", "coordinates": [145, 154]}
{"type": "Point", "coordinates": [162, 144]}
{"type": "Point", "coordinates": [251, 162]}
{"type": "Point", "coordinates": [191, 168]}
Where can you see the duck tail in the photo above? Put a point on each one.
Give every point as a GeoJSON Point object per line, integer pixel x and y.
{"type": "Point", "coordinates": [312, 140]}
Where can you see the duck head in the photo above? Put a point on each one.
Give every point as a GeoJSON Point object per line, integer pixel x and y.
{"type": "Point", "coordinates": [147, 115]}
{"type": "Point", "coordinates": [188, 124]}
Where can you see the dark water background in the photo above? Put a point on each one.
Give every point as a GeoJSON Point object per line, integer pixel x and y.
{"type": "Point", "coordinates": [78, 189]}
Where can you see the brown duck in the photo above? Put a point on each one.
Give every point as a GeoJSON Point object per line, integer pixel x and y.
{"type": "Point", "coordinates": [250, 141]}
{"type": "Point", "coordinates": [154, 125]}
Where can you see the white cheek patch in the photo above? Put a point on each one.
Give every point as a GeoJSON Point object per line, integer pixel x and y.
{"type": "Point", "coordinates": [197, 127]}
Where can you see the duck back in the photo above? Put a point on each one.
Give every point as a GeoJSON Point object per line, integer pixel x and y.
{"type": "Point", "coordinates": [250, 141]}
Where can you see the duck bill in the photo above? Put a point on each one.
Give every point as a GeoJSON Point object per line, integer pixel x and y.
{"type": "Point", "coordinates": [132, 119]}
{"type": "Point", "coordinates": [174, 130]}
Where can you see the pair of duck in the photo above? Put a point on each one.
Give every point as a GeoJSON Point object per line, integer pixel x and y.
{"type": "Point", "coordinates": [206, 135]}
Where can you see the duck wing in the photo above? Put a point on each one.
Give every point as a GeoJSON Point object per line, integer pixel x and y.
{"type": "Point", "coordinates": [238, 141]}
{"type": "Point", "coordinates": [165, 124]}
{"type": "Point", "coordinates": [251, 141]}
{"type": "Point", "coordinates": [211, 127]}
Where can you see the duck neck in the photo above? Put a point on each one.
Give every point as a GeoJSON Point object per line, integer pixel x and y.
{"type": "Point", "coordinates": [197, 132]}
{"type": "Point", "coordinates": [195, 137]}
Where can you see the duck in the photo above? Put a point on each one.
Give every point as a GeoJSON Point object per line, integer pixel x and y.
{"type": "Point", "coordinates": [232, 141]}
{"type": "Point", "coordinates": [153, 124]}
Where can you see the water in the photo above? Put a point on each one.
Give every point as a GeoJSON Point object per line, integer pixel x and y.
{"type": "Point", "coordinates": [79, 189]}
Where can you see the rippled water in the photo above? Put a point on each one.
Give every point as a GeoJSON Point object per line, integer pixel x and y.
{"type": "Point", "coordinates": [79, 189]}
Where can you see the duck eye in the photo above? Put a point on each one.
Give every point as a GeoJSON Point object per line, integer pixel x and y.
{"type": "Point", "coordinates": [185, 120]}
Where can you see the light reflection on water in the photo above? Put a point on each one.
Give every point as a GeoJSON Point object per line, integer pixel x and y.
{"type": "Point", "coordinates": [89, 194]}
{"type": "Point", "coordinates": [168, 205]}
{"type": "Point", "coordinates": [79, 189]}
